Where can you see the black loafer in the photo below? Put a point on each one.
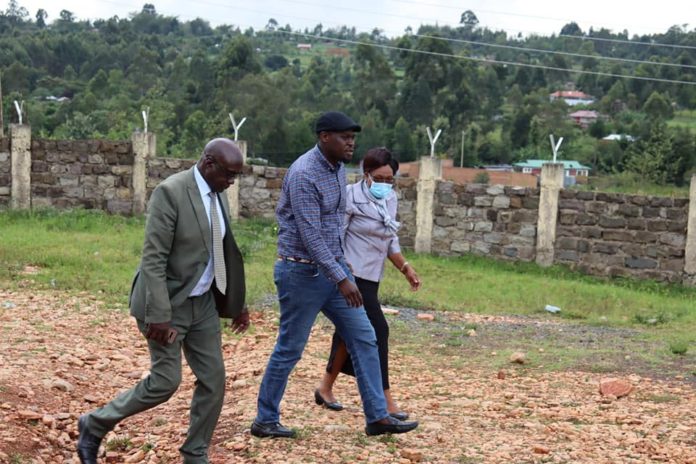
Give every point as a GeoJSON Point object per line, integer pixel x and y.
{"type": "Point", "coordinates": [334, 406]}
{"type": "Point", "coordinates": [87, 443]}
{"type": "Point", "coordinates": [275, 430]}
{"type": "Point", "coordinates": [400, 415]}
{"type": "Point", "coordinates": [393, 426]}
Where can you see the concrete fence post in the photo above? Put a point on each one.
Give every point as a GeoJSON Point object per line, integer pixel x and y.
{"type": "Point", "coordinates": [430, 172]}
{"type": "Point", "coordinates": [20, 149]}
{"type": "Point", "coordinates": [690, 253]}
{"type": "Point", "coordinates": [233, 191]}
{"type": "Point", "coordinates": [144, 148]}
{"type": "Point", "coordinates": [551, 184]}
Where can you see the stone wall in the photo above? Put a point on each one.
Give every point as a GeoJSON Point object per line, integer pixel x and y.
{"type": "Point", "coordinates": [159, 169]}
{"type": "Point", "coordinates": [596, 233]}
{"type": "Point", "coordinates": [82, 173]}
{"type": "Point", "coordinates": [5, 172]}
{"type": "Point", "coordinates": [622, 235]}
{"type": "Point", "coordinates": [406, 192]}
{"type": "Point", "coordinates": [260, 191]}
{"type": "Point", "coordinates": [496, 220]}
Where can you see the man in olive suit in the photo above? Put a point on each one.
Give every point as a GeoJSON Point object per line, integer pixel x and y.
{"type": "Point", "coordinates": [191, 274]}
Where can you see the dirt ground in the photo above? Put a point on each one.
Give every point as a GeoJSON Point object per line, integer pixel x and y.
{"type": "Point", "coordinates": [62, 355]}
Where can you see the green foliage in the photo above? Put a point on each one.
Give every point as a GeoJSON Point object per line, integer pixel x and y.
{"type": "Point", "coordinates": [648, 158]}
{"type": "Point", "coordinates": [192, 76]}
{"type": "Point", "coordinates": [482, 178]}
{"type": "Point", "coordinates": [679, 346]}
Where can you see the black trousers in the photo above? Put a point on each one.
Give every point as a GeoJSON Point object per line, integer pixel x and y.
{"type": "Point", "coordinates": [373, 308]}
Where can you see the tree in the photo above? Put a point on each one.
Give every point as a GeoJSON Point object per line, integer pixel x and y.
{"type": "Point", "coordinates": [469, 19]}
{"type": "Point", "coordinates": [658, 107]}
{"type": "Point", "coordinates": [15, 13]}
{"type": "Point", "coordinates": [374, 84]}
{"type": "Point", "coordinates": [41, 16]}
{"type": "Point", "coordinates": [271, 25]}
{"type": "Point", "coordinates": [66, 16]}
{"type": "Point", "coordinates": [276, 62]}
{"type": "Point", "coordinates": [571, 28]}
{"type": "Point", "coordinates": [648, 158]}
{"type": "Point", "coordinates": [149, 9]}
{"type": "Point", "coordinates": [403, 144]}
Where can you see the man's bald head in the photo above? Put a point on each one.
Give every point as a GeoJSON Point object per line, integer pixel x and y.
{"type": "Point", "coordinates": [220, 163]}
{"type": "Point", "coordinates": [222, 147]}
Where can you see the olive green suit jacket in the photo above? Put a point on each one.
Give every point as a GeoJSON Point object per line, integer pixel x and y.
{"type": "Point", "coordinates": [178, 244]}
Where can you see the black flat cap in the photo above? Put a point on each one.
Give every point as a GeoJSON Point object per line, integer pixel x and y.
{"type": "Point", "coordinates": [335, 121]}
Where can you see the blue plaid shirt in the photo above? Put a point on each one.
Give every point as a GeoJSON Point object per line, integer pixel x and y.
{"type": "Point", "coordinates": [310, 212]}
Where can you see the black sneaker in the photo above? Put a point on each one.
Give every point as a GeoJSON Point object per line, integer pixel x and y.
{"type": "Point", "coordinates": [274, 430]}
{"type": "Point", "coordinates": [392, 426]}
{"type": "Point", "coordinates": [87, 444]}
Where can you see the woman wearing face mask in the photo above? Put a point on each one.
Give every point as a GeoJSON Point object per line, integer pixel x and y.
{"type": "Point", "coordinates": [370, 238]}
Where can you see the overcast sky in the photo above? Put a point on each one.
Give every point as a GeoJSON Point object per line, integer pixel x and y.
{"type": "Point", "coordinates": [393, 16]}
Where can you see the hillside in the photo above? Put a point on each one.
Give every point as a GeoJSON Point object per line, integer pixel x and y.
{"type": "Point", "coordinates": [82, 79]}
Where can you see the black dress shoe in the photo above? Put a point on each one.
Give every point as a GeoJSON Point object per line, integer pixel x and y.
{"type": "Point", "coordinates": [393, 426]}
{"type": "Point", "coordinates": [275, 430]}
{"type": "Point", "coordinates": [400, 415]}
{"type": "Point", "coordinates": [87, 443]}
{"type": "Point", "coordinates": [334, 406]}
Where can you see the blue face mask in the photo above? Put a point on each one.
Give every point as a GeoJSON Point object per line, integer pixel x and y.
{"type": "Point", "coordinates": [380, 189]}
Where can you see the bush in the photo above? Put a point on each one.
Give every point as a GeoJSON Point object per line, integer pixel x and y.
{"type": "Point", "coordinates": [482, 178]}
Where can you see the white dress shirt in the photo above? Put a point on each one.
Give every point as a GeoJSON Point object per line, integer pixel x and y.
{"type": "Point", "coordinates": [206, 279]}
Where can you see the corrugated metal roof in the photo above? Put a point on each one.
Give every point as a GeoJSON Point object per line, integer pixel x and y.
{"type": "Point", "coordinates": [536, 163]}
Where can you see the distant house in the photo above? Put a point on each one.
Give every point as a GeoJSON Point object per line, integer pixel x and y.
{"type": "Point", "coordinates": [619, 137]}
{"type": "Point", "coordinates": [336, 51]}
{"type": "Point", "coordinates": [499, 167]}
{"type": "Point", "coordinates": [571, 168]}
{"type": "Point", "coordinates": [572, 97]}
{"type": "Point", "coordinates": [584, 118]}
{"type": "Point", "coordinates": [57, 99]}
{"type": "Point", "coordinates": [304, 46]}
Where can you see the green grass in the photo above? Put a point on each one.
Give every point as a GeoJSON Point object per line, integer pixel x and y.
{"type": "Point", "coordinates": [684, 118]}
{"type": "Point", "coordinates": [98, 253]}
{"type": "Point", "coordinates": [629, 183]}
{"type": "Point", "coordinates": [92, 251]}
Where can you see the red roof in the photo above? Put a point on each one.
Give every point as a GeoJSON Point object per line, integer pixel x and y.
{"type": "Point", "coordinates": [570, 94]}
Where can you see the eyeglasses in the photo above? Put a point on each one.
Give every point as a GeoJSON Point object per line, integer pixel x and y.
{"type": "Point", "coordinates": [382, 180]}
{"type": "Point", "coordinates": [231, 175]}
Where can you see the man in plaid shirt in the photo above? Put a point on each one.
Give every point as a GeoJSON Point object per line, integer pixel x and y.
{"type": "Point", "coordinates": [311, 275]}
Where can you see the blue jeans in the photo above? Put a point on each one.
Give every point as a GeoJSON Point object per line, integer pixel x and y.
{"type": "Point", "coordinates": [303, 291]}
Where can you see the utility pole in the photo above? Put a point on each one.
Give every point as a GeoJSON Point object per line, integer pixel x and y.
{"type": "Point", "coordinates": [461, 156]}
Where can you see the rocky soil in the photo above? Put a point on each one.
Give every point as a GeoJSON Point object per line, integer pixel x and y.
{"type": "Point", "coordinates": [62, 355]}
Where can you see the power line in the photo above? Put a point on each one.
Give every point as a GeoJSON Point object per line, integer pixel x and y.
{"type": "Point", "coordinates": [233, 7]}
{"type": "Point", "coordinates": [555, 52]}
{"type": "Point", "coordinates": [505, 13]}
{"type": "Point", "coordinates": [490, 61]}
{"type": "Point", "coordinates": [358, 10]}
